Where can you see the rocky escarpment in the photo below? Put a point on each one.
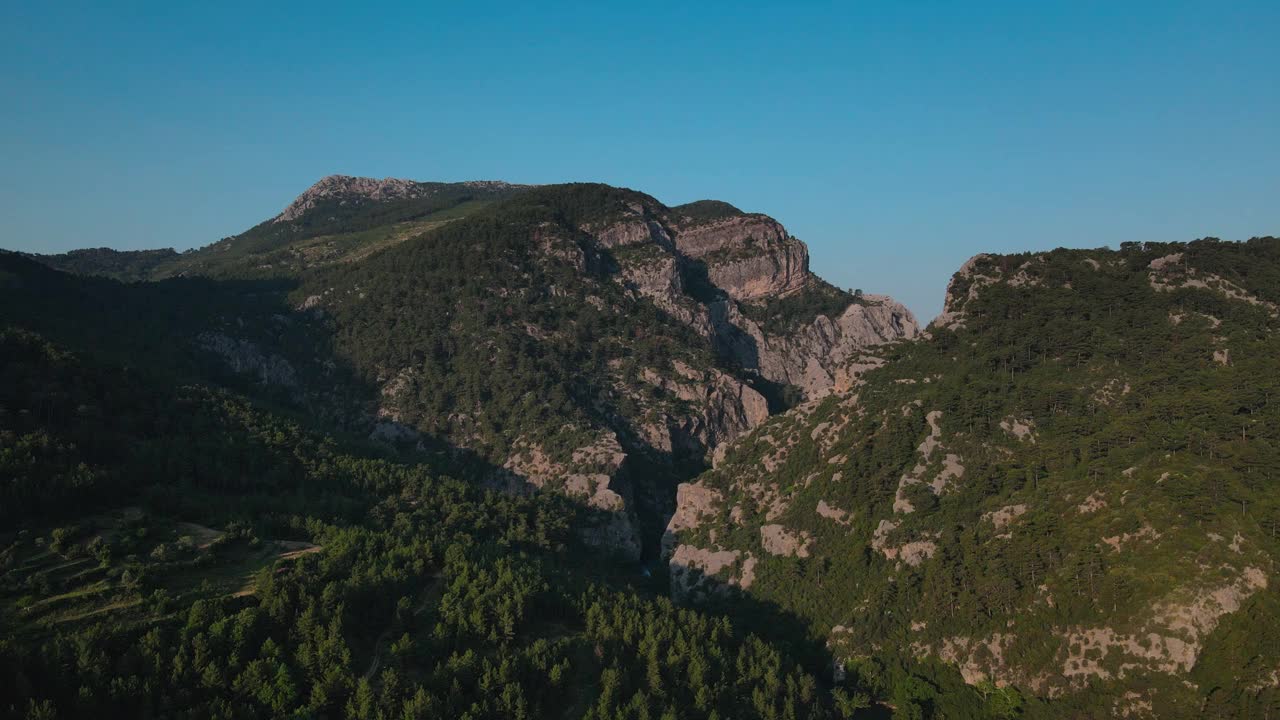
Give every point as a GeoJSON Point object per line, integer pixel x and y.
{"type": "Point", "coordinates": [595, 475]}
{"type": "Point", "coordinates": [719, 409]}
{"type": "Point", "coordinates": [243, 356]}
{"type": "Point", "coordinates": [748, 256]}
{"type": "Point", "coordinates": [707, 274]}
{"type": "Point", "coordinates": [813, 356]}
{"type": "Point", "coordinates": [697, 572]}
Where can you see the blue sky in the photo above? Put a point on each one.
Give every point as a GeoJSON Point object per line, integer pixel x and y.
{"type": "Point", "coordinates": [897, 139]}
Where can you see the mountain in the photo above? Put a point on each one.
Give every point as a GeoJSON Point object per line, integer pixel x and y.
{"type": "Point", "coordinates": [1065, 489]}
{"type": "Point", "coordinates": [581, 337]}
{"type": "Point", "coordinates": [339, 219]}
{"type": "Point", "coordinates": [329, 433]}
{"type": "Point", "coordinates": [490, 450]}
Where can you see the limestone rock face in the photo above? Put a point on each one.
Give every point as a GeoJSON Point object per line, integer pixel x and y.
{"type": "Point", "coordinates": [748, 256]}
{"type": "Point", "coordinates": [748, 259]}
{"type": "Point", "coordinates": [702, 571]}
{"type": "Point", "coordinates": [596, 476]}
{"type": "Point", "coordinates": [963, 287]}
{"type": "Point", "coordinates": [634, 231]}
{"type": "Point", "coordinates": [347, 187]}
{"type": "Point", "coordinates": [776, 269]}
{"type": "Point", "coordinates": [693, 502]}
{"type": "Point", "coordinates": [811, 358]}
{"type": "Point", "coordinates": [721, 408]}
{"type": "Point", "coordinates": [703, 240]}
{"type": "Point", "coordinates": [699, 572]}
{"type": "Point", "coordinates": [657, 276]}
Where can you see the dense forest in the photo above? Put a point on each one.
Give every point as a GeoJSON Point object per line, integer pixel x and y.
{"type": "Point", "coordinates": [337, 583]}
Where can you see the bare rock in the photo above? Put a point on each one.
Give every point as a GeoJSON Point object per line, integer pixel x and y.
{"type": "Point", "coordinates": [243, 356]}
{"type": "Point", "coordinates": [1005, 515]}
{"type": "Point", "coordinates": [694, 502]}
{"type": "Point", "coordinates": [778, 540]}
{"type": "Point", "coordinates": [699, 572]}
{"type": "Point", "coordinates": [817, 357]}
{"type": "Point", "coordinates": [346, 189]}
{"type": "Point", "coordinates": [721, 408]}
{"type": "Point", "coordinates": [832, 512]}
{"type": "Point", "coordinates": [595, 475]}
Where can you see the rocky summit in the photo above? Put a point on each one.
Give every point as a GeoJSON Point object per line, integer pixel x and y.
{"type": "Point", "coordinates": [480, 449]}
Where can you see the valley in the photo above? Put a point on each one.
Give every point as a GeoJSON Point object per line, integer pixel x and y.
{"type": "Point", "coordinates": [491, 450]}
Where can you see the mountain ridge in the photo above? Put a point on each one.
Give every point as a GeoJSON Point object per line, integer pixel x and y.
{"type": "Point", "coordinates": [1054, 499]}
{"type": "Point", "coordinates": [702, 280]}
{"type": "Point", "coordinates": [1045, 501]}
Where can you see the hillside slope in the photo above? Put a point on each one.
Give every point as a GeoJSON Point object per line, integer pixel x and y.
{"type": "Point", "coordinates": [338, 219]}
{"type": "Point", "coordinates": [1066, 489]}
{"type": "Point", "coordinates": [572, 335]}
{"type": "Point", "coordinates": [580, 338]}
{"type": "Point", "coordinates": [182, 551]}
{"type": "Point", "coordinates": [252, 487]}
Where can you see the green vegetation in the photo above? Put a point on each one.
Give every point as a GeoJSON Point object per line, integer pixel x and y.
{"type": "Point", "coordinates": [515, 293]}
{"type": "Point", "coordinates": [196, 523]}
{"type": "Point", "coordinates": [338, 228]}
{"type": "Point", "coordinates": [275, 249]}
{"type": "Point", "coordinates": [186, 540]}
{"type": "Point", "coordinates": [341, 585]}
{"type": "Point", "coordinates": [707, 210]}
{"type": "Point", "coordinates": [1156, 404]}
{"type": "Point", "coordinates": [126, 266]}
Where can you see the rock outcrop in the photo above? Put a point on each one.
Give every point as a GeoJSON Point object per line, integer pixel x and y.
{"type": "Point", "coordinates": [811, 358]}
{"type": "Point", "coordinates": [748, 259]}
{"type": "Point", "coordinates": [747, 256]}
{"type": "Point", "coordinates": [346, 188]}
{"type": "Point", "coordinates": [698, 572]}
{"type": "Point", "coordinates": [720, 408]}
{"type": "Point", "coordinates": [596, 476]}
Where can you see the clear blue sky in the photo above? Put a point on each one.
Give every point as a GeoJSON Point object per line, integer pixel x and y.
{"type": "Point", "coordinates": [896, 138]}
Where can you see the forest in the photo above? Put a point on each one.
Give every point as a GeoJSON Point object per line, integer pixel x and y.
{"type": "Point", "coordinates": [200, 519]}
{"type": "Point", "coordinates": [341, 584]}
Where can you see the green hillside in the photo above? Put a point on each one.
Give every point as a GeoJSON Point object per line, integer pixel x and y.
{"type": "Point", "coordinates": [487, 451]}
{"type": "Point", "coordinates": [178, 552]}
{"type": "Point", "coordinates": [1067, 490]}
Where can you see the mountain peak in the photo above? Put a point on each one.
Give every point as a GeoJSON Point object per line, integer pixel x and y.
{"type": "Point", "coordinates": [347, 188]}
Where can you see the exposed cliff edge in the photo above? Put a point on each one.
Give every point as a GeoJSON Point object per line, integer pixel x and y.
{"type": "Point", "coordinates": [730, 276]}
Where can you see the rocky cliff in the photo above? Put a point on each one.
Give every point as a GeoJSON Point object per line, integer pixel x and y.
{"type": "Point", "coordinates": [813, 356]}
{"type": "Point", "coordinates": [715, 274]}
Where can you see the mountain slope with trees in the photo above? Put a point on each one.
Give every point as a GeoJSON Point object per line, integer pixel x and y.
{"type": "Point", "coordinates": [485, 450]}
{"type": "Point", "coordinates": [1067, 490]}
{"type": "Point", "coordinates": [180, 552]}
{"type": "Point", "coordinates": [580, 338]}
